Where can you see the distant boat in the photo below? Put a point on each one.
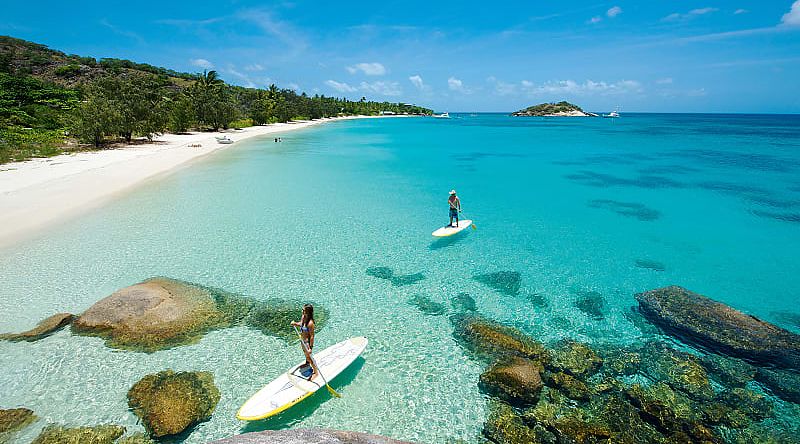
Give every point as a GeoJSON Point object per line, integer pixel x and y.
{"type": "Point", "coordinates": [224, 140]}
{"type": "Point", "coordinates": [443, 115]}
{"type": "Point", "coordinates": [612, 115]}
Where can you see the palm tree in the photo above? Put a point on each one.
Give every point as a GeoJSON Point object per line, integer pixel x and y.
{"type": "Point", "coordinates": [209, 80]}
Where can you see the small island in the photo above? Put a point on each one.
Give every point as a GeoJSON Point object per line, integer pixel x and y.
{"type": "Point", "coordinates": [560, 109]}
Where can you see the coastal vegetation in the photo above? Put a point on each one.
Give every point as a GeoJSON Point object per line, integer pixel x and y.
{"type": "Point", "coordinates": [51, 102]}
{"type": "Point", "coordinates": [562, 108]}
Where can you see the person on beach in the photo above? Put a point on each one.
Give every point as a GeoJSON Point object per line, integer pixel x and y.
{"type": "Point", "coordinates": [455, 207]}
{"type": "Point", "coordinates": [306, 325]}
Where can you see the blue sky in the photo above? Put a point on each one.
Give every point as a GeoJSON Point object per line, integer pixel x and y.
{"type": "Point", "coordinates": [670, 56]}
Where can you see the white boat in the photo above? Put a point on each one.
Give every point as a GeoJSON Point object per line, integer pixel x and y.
{"type": "Point", "coordinates": [443, 115]}
{"type": "Point", "coordinates": [224, 140]}
{"type": "Point", "coordinates": [613, 114]}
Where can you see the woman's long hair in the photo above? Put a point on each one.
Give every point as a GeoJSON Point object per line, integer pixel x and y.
{"type": "Point", "coordinates": [308, 314]}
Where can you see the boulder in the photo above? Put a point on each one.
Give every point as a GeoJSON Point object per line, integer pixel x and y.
{"type": "Point", "coordinates": [505, 426]}
{"type": "Point", "coordinates": [426, 305]}
{"type": "Point", "coordinates": [784, 384]}
{"type": "Point", "coordinates": [44, 328]}
{"type": "Point", "coordinates": [101, 434]}
{"type": "Point", "coordinates": [156, 314]}
{"type": "Point", "coordinates": [700, 321]}
{"type": "Point", "coordinates": [591, 303]}
{"type": "Point", "coordinates": [463, 302]}
{"type": "Point", "coordinates": [136, 438]}
{"type": "Point", "coordinates": [681, 370]}
{"type": "Point", "coordinates": [506, 282]}
{"type": "Point", "coordinates": [169, 402]}
{"type": "Point", "coordinates": [273, 317]}
{"type": "Point", "coordinates": [569, 385]}
{"type": "Point", "coordinates": [667, 410]}
{"type": "Point", "coordinates": [12, 420]}
{"type": "Point", "coordinates": [576, 358]}
{"type": "Point", "coordinates": [307, 436]}
{"type": "Point", "coordinates": [488, 339]}
{"type": "Point", "coordinates": [515, 380]}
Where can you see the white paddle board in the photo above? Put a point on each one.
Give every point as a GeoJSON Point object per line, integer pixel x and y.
{"type": "Point", "coordinates": [293, 386]}
{"type": "Point", "coordinates": [447, 230]}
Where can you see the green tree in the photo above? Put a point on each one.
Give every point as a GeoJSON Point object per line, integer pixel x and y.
{"type": "Point", "coordinates": [96, 117]}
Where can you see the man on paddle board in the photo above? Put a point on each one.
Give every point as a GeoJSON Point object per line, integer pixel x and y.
{"type": "Point", "coordinates": [306, 325]}
{"type": "Point", "coordinates": [455, 207]}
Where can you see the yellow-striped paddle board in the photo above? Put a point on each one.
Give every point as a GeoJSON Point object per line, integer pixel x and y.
{"type": "Point", "coordinates": [447, 230]}
{"type": "Point", "coordinates": [293, 386]}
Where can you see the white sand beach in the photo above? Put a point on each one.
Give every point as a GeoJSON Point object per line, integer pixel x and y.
{"type": "Point", "coordinates": [40, 192]}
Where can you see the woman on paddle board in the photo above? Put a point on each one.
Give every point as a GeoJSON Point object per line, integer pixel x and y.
{"type": "Point", "coordinates": [306, 325]}
{"type": "Point", "coordinates": [455, 207]}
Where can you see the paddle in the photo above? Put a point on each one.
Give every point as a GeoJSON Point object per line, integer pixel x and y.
{"type": "Point", "coordinates": [330, 389]}
{"type": "Point", "coordinates": [473, 224]}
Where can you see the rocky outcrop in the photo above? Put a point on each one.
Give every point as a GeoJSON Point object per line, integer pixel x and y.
{"type": "Point", "coordinates": [12, 420]}
{"type": "Point", "coordinates": [560, 109]}
{"type": "Point", "coordinates": [700, 321]}
{"type": "Point", "coordinates": [490, 340]}
{"type": "Point", "coordinates": [307, 436]}
{"type": "Point", "coordinates": [515, 380]}
{"type": "Point", "coordinates": [44, 328]}
{"type": "Point", "coordinates": [169, 402]}
{"type": "Point", "coordinates": [784, 384]}
{"type": "Point", "coordinates": [101, 434]}
{"type": "Point", "coordinates": [506, 282]}
{"type": "Point", "coordinates": [160, 313]}
{"type": "Point", "coordinates": [576, 359]}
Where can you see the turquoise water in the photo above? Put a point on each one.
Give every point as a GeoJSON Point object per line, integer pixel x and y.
{"type": "Point", "coordinates": [711, 203]}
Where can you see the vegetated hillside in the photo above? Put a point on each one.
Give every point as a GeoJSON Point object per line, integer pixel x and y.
{"type": "Point", "coordinates": [562, 108]}
{"type": "Point", "coordinates": [51, 101]}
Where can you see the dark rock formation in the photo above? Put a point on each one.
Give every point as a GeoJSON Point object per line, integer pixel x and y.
{"type": "Point", "coordinates": [396, 280]}
{"type": "Point", "coordinates": [12, 420]}
{"type": "Point", "coordinates": [307, 436]}
{"type": "Point", "coordinates": [591, 303]}
{"type": "Point", "coordinates": [515, 380]}
{"type": "Point", "coordinates": [505, 426]}
{"type": "Point", "coordinates": [427, 305]}
{"type": "Point", "coordinates": [576, 359]}
{"type": "Point", "coordinates": [169, 402]}
{"type": "Point", "coordinates": [569, 385]}
{"type": "Point", "coordinates": [273, 317]}
{"type": "Point", "coordinates": [784, 384]}
{"type": "Point", "coordinates": [506, 282]}
{"type": "Point", "coordinates": [463, 302]}
{"type": "Point", "coordinates": [101, 434]}
{"type": "Point", "coordinates": [700, 321]}
{"type": "Point", "coordinates": [650, 264]}
{"type": "Point", "coordinates": [488, 339]}
{"type": "Point", "coordinates": [44, 328]}
{"type": "Point", "coordinates": [682, 371]}
{"type": "Point", "coordinates": [730, 372]}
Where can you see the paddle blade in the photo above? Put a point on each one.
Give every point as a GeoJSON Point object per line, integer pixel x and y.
{"type": "Point", "coordinates": [332, 391]}
{"type": "Point", "coordinates": [474, 227]}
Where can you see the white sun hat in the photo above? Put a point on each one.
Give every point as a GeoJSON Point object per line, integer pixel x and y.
{"type": "Point", "coordinates": [452, 191]}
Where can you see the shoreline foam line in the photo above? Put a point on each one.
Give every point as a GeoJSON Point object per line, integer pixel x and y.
{"type": "Point", "coordinates": [37, 193]}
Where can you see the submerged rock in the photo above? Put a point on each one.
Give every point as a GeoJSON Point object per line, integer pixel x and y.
{"type": "Point", "coordinates": [576, 358]}
{"type": "Point", "coordinates": [701, 321]}
{"type": "Point", "coordinates": [730, 372]}
{"type": "Point", "coordinates": [273, 317]}
{"type": "Point", "coordinates": [12, 420]}
{"type": "Point", "coordinates": [136, 438]}
{"type": "Point", "coordinates": [427, 305]}
{"type": "Point", "coordinates": [463, 302]}
{"type": "Point", "coordinates": [664, 408]}
{"type": "Point", "coordinates": [621, 360]}
{"type": "Point", "coordinates": [44, 328]}
{"type": "Point", "coordinates": [396, 280]}
{"type": "Point", "coordinates": [650, 264]}
{"type": "Point", "coordinates": [680, 370]}
{"type": "Point", "coordinates": [380, 272]}
{"type": "Point", "coordinates": [155, 314]}
{"type": "Point", "coordinates": [307, 436]}
{"type": "Point", "coordinates": [751, 404]}
{"type": "Point", "coordinates": [506, 282]}
{"type": "Point", "coordinates": [169, 402]}
{"type": "Point", "coordinates": [101, 434]}
{"type": "Point", "coordinates": [515, 380]}
{"type": "Point", "coordinates": [784, 384]}
{"type": "Point", "coordinates": [569, 385]}
{"type": "Point", "coordinates": [591, 303]}
{"type": "Point", "coordinates": [488, 339]}
{"type": "Point", "coordinates": [505, 426]}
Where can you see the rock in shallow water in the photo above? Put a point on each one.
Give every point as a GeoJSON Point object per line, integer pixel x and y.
{"type": "Point", "coordinates": [506, 282]}
{"type": "Point", "coordinates": [576, 359]}
{"type": "Point", "coordinates": [591, 303]}
{"type": "Point", "coordinates": [463, 302]}
{"type": "Point", "coordinates": [44, 328]}
{"type": "Point", "coordinates": [701, 321]}
{"type": "Point", "coordinates": [307, 436]}
{"type": "Point", "coordinates": [101, 434]}
{"type": "Point", "coordinates": [427, 305]}
{"type": "Point", "coordinates": [682, 371]}
{"type": "Point", "coordinates": [169, 402]}
{"type": "Point", "coordinates": [12, 420]}
{"type": "Point", "coordinates": [515, 380]}
{"type": "Point", "coordinates": [491, 340]}
{"type": "Point", "coordinates": [784, 384]}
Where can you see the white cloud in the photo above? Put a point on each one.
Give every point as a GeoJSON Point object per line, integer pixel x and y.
{"type": "Point", "coordinates": [370, 69]}
{"type": "Point", "coordinates": [792, 18]}
{"type": "Point", "coordinates": [674, 17]}
{"type": "Point", "coordinates": [613, 12]}
{"type": "Point", "coordinates": [202, 63]}
{"type": "Point", "coordinates": [293, 86]}
{"type": "Point", "coordinates": [379, 87]}
{"type": "Point", "coordinates": [383, 88]}
{"type": "Point", "coordinates": [417, 82]}
{"type": "Point", "coordinates": [254, 67]}
{"type": "Point", "coordinates": [740, 11]}
{"type": "Point", "coordinates": [340, 86]}
{"type": "Point", "coordinates": [588, 87]}
{"type": "Point", "coordinates": [664, 81]}
{"type": "Point", "coordinates": [457, 85]}
{"type": "Point", "coordinates": [595, 20]}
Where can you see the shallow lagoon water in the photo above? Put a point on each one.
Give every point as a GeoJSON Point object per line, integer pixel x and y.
{"type": "Point", "coordinates": [613, 206]}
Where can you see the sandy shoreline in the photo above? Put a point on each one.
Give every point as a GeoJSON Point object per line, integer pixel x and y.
{"type": "Point", "coordinates": [37, 193]}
